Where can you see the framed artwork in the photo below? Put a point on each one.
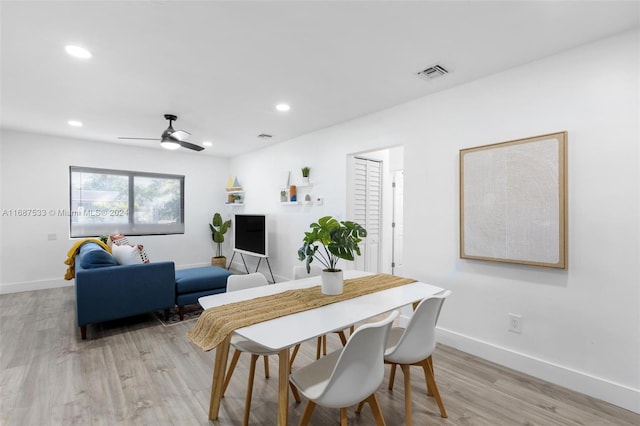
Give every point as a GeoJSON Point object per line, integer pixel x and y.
{"type": "Point", "coordinates": [513, 201]}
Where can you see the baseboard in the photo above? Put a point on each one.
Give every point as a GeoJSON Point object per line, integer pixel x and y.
{"type": "Point", "coordinates": [34, 285]}
{"type": "Point", "coordinates": [597, 387]}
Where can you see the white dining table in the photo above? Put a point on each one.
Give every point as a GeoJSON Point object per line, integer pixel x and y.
{"type": "Point", "coordinates": [282, 333]}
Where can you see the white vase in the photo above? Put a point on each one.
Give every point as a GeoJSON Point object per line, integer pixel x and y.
{"type": "Point", "coordinates": [332, 282]}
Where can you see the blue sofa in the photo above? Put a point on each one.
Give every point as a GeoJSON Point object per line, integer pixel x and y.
{"type": "Point", "coordinates": [107, 291]}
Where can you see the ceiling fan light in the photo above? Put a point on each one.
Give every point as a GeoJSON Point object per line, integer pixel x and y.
{"type": "Point", "coordinates": [78, 52]}
{"type": "Point", "coordinates": [169, 144]}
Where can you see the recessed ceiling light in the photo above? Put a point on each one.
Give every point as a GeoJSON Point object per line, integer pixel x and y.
{"type": "Point", "coordinates": [207, 143]}
{"type": "Point", "coordinates": [283, 107]}
{"type": "Point", "coordinates": [74, 123]}
{"type": "Point", "coordinates": [78, 52]}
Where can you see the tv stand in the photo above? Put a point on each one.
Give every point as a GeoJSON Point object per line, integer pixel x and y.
{"type": "Point", "coordinates": [258, 266]}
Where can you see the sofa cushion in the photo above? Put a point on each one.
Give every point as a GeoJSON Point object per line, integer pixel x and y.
{"type": "Point", "coordinates": [200, 279]}
{"type": "Point", "coordinates": [91, 255]}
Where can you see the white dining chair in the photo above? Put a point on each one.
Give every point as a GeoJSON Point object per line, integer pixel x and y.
{"type": "Point", "coordinates": [300, 272]}
{"type": "Point", "coordinates": [349, 375]}
{"type": "Point", "coordinates": [241, 282]}
{"type": "Point", "coordinates": [414, 345]}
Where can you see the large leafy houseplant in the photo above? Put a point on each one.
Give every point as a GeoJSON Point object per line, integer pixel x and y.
{"type": "Point", "coordinates": [218, 229]}
{"type": "Point", "coordinates": [329, 241]}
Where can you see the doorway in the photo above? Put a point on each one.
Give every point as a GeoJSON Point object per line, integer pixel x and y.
{"type": "Point", "coordinates": [375, 195]}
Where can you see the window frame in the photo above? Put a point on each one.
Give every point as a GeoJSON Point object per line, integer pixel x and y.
{"type": "Point", "coordinates": [129, 228]}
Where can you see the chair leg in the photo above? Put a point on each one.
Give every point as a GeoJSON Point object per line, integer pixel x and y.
{"type": "Point", "coordinates": [343, 416]}
{"type": "Point", "coordinates": [294, 391]}
{"type": "Point", "coordinates": [375, 408]}
{"type": "Point", "coordinates": [324, 345]}
{"type": "Point", "coordinates": [293, 355]}
{"type": "Point", "coordinates": [247, 402]}
{"type": "Point", "coordinates": [232, 366]}
{"type": "Point", "coordinates": [359, 407]}
{"type": "Point", "coordinates": [306, 415]}
{"type": "Point", "coordinates": [343, 338]}
{"type": "Point", "coordinates": [266, 367]}
{"type": "Point", "coordinates": [431, 383]}
{"type": "Point", "coordinates": [181, 312]}
{"type": "Point", "coordinates": [319, 347]}
{"type": "Point", "coordinates": [392, 376]}
{"type": "Point", "coordinates": [406, 370]}
{"type": "Point", "coordinates": [425, 367]}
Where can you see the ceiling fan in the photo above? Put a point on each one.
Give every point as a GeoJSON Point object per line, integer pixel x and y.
{"type": "Point", "coordinates": [172, 139]}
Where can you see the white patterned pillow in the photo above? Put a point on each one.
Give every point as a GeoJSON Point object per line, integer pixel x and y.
{"type": "Point", "coordinates": [117, 240]}
{"type": "Point", "coordinates": [127, 254]}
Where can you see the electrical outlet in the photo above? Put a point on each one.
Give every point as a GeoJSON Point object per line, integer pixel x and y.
{"type": "Point", "coordinates": [319, 200]}
{"type": "Point", "coordinates": [515, 323]}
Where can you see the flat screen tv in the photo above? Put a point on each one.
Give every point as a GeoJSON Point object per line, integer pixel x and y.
{"type": "Point", "coordinates": [250, 234]}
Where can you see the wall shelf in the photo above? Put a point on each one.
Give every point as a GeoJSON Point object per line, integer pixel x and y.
{"type": "Point", "coordinates": [302, 190]}
{"type": "Point", "coordinates": [235, 197]}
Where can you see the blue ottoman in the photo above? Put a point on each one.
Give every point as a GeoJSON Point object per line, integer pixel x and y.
{"type": "Point", "coordinates": [194, 283]}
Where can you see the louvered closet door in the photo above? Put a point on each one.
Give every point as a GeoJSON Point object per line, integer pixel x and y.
{"type": "Point", "coordinates": [367, 210]}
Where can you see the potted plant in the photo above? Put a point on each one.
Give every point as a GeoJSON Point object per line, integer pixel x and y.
{"type": "Point", "coordinates": [328, 242]}
{"type": "Point", "coordinates": [218, 229]}
{"type": "Point", "coordinates": [305, 173]}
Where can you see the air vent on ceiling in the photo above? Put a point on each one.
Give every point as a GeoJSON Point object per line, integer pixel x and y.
{"type": "Point", "coordinates": [433, 72]}
{"type": "Point", "coordinates": [264, 136]}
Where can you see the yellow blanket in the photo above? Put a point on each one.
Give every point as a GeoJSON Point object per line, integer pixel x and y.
{"type": "Point", "coordinates": [71, 255]}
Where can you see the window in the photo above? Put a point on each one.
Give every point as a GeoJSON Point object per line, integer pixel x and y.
{"type": "Point", "coordinates": [116, 201]}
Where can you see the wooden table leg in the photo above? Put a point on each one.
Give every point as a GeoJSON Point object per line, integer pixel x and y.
{"type": "Point", "coordinates": [283, 387]}
{"type": "Point", "coordinates": [219, 369]}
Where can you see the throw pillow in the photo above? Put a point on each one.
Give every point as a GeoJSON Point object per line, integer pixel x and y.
{"type": "Point", "coordinates": [117, 240]}
{"type": "Point", "coordinates": [129, 254]}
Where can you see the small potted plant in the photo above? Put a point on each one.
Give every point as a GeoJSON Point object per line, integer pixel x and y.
{"type": "Point", "coordinates": [305, 173]}
{"type": "Point", "coordinates": [218, 229]}
{"type": "Point", "coordinates": [328, 242]}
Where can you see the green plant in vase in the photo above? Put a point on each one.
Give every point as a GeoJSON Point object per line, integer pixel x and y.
{"type": "Point", "coordinates": [305, 173]}
{"type": "Point", "coordinates": [218, 228]}
{"type": "Point", "coordinates": [329, 241]}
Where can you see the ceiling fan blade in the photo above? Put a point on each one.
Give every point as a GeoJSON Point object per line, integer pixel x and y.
{"type": "Point", "coordinates": [190, 146]}
{"type": "Point", "coordinates": [180, 135]}
{"type": "Point", "coordinates": [139, 139]}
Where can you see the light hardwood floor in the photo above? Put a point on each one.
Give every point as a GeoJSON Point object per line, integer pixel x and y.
{"type": "Point", "coordinates": [139, 372]}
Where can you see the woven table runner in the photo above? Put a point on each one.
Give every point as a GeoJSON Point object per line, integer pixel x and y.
{"type": "Point", "coordinates": [215, 324]}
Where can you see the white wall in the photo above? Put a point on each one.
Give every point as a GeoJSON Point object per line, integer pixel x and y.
{"type": "Point", "coordinates": [35, 175]}
{"type": "Point", "coordinates": [581, 327]}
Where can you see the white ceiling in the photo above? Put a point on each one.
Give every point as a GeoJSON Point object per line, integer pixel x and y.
{"type": "Point", "coordinates": [222, 66]}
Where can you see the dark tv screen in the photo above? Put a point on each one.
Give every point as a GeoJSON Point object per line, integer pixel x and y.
{"type": "Point", "coordinates": [250, 234]}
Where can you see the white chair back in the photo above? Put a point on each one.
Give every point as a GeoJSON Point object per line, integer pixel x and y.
{"type": "Point", "coordinates": [360, 367]}
{"type": "Point", "coordinates": [419, 338]}
{"type": "Point", "coordinates": [300, 271]}
{"type": "Point", "coordinates": [241, 282]}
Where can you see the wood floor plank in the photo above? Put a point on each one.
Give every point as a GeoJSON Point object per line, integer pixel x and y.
{"type": "Point", "coordinates": [139, 372]}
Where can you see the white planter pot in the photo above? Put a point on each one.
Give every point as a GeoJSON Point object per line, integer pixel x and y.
{"type": "Point", "coordinates": [332, 282]}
